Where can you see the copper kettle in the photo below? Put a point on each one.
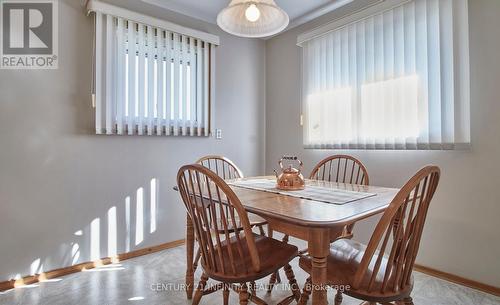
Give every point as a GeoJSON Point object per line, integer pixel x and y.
{"type": "Point", "coordinates": [290, 178]}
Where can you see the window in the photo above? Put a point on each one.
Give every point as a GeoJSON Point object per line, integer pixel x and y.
{"type": "Point", "coordinates": [150, 80]}
{"type": "Point", "coordinates": [395, 76]}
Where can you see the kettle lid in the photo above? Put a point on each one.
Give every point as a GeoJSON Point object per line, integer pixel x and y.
{"type": "Point", "coordinates": [290, 170]}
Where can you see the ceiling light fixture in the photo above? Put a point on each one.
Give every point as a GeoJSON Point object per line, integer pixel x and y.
{"type": "Point", "coordinates": [252, 18]}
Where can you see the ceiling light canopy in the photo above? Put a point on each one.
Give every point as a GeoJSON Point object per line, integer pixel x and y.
{"type": "Point", "coordinates": [252, 18]}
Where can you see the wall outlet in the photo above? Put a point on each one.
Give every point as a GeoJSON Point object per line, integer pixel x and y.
{"type": "Point", "coordinates": [218, 134]}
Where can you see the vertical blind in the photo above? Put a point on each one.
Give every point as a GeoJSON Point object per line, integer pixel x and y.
{"type": "Point", "coordinates": [395, 79]}
{"type": "Point", "coordinates": [149, 80]}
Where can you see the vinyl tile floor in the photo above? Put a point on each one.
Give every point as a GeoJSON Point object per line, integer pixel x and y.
{"type": "Point", "coordinates": [157, 279]}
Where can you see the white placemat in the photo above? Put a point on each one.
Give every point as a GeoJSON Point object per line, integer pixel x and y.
{"type": "Point", "coordinates": [317, 193]}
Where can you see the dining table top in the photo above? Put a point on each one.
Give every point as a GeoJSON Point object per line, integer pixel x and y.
{"type": "Point", "coordinates": [313, 213]}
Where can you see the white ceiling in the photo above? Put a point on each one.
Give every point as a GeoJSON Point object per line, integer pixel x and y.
{"type": "Point", "coordinates": [300, 11]}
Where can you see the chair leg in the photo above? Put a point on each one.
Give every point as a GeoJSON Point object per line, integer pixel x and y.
{"type": "Point", "coordinates": [253, 288]}
{"type": "Point", "coordinates": [348, 231]}
{"type": "Point", "coordinates": [293, 285]}
{"type": "Point", "coordinates": [272, 281]}
{"type": "Point", "coordinates": [243, 292]}
{"type": "Point", "coordinates": [408, 301]}
{"type": "Point", "coordinates": [200, 289]}
{"type": "Point", "coordinates": [338, 297]}
{"type": "Point", "coordinates": [196, 260]}
{"type": "Point", "coordinates": [275, 277]}
{"type": "Point", "coordinates": [306, 292]}
{"type": "Point", "coordinates": [225, 294]}
{"type": "Point", "coordinates": [285, 240]}
{"type": "Point", "coordinates": [261, 230]}
{"type": "Point", "coordinates": [292, 281]}
{"type": "Point", "coordinates": [252, 295]}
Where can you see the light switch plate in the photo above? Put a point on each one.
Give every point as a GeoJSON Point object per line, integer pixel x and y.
{"type": "Point", "coordinates": [218, 134]}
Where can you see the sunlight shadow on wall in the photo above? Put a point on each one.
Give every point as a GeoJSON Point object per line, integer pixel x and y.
{"type": "Point", "coordinates": [95, 240]}
{"type": "Point", "coordinates": [75, 253]}
{"type": "Point", "coordinates": [112, 233]}
{"type": "Point", "coordinates": [139, 217]}
{"type": "Point", "coordinates": [124, 227]}
{"type": "Point", "coordinates": [127, 224]}
{"type": "Point", "coordinates": [153, 204]}
{"type": "Point", "coordinates": [35, 267]}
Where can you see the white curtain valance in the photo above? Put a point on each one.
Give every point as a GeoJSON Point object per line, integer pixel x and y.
{"type": "Point", "coordinates": [108, 9]}
{"type": "Point", "coordinates": [391, 77]}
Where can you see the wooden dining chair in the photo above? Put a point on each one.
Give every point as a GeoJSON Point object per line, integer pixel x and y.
{"type": "Point", "coordinates": [336, 168]}
{"type": "Point", "coordinates": [222, 166]}
{"type": "Point", "coordinates": [343, 169]}
{"type": "Point", "coordinates": [227, 169]}
{"type": "Point", "coordinates": [381, 272]}
{"type": "Point", "coordinates": [238, 257]}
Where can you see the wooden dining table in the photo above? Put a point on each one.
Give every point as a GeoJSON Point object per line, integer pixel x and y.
{"type": "Point", "coordinates": [317, 222]}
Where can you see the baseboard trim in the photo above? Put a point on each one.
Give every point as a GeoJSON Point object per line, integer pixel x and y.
{"type": "Point", "coordinates": [32, 279]}
{"type": "Point", "coordinates": [458, 280]}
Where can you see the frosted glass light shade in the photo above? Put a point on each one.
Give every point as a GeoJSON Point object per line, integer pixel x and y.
{"type": "Point", "coordinates": [234, 18]}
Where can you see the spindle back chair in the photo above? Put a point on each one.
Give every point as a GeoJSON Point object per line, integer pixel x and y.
{"type": "Point", "coordinates": [222, 166]}
{"type": "Point", "coordinates": [227, 169]}
{"type": "Point", "coordinates": [384, 271]}
{"type": "Point", "coordinates": [404, 220]}
{"type": "Point", "coordinates": [213, 207]}
{"type": "Point", "coordinates": [230, 251]}
{"type": "Point", "coordinates": [341, 168]}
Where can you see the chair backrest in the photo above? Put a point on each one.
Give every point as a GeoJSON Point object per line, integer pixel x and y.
{"type": "Point", "coordinates": [403, 220]}
{"type": "Point", "coordinates": [341, 168]}
{"type": "Point", "coordinates": [222, 166]}
{"type": "Point", "coordinates": [214, 208]}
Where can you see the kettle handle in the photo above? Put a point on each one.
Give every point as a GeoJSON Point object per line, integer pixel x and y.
{"type": "Point", "coordinates": [291, 158]}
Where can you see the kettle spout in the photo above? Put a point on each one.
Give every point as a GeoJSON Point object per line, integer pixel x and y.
{"type": "Point", "coordinates": [276, 173]}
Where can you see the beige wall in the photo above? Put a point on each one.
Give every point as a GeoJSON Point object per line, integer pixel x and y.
{"type": "Point", "coordinates": [463, 226]}
{"type": "Point", "coordinates": [57, 176]}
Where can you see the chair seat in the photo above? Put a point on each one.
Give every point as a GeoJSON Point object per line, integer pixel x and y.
{"type": "Point", "coordinates": [343, 262]}
{"type": "Point", "coordinates": [255, 221]}
{"type": "Point", "coordinates": [273, 255]}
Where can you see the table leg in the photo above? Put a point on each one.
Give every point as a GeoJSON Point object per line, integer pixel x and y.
{"type": "Point", "coordinates": [319, 248]}
{"type": "Point", "coordinates": [189, 257]}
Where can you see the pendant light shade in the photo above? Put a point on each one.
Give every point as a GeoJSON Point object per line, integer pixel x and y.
{"type": "Point", "coordinates": [252, 18]}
